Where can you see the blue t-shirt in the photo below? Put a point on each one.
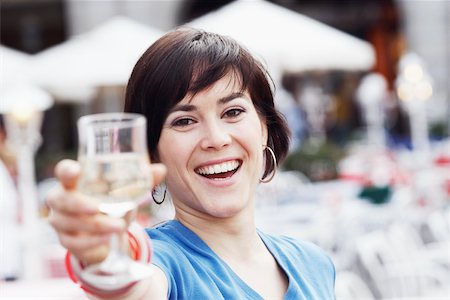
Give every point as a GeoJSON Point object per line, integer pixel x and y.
{"type": "Point", "coordinates": [195, 272]}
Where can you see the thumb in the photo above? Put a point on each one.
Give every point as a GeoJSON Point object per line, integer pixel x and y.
{"type": "Point", "coordinates": [159, 171]}
{"type": "Point", "coordinates": [67, 172]}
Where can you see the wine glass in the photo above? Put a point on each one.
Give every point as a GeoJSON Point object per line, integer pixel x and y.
{"type": "Point", "coordinates": [114, 172]}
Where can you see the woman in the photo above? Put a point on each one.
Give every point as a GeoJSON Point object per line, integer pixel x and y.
{"type": "Point", "coordinates": [213, 125]}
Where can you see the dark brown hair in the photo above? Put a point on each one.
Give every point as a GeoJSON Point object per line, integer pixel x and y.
{"type": "Point", "coordinates": [187, 61]}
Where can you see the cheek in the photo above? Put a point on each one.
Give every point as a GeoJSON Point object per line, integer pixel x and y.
{"type": "Point", "coordinates": [258, 134]}
{"type": "Point", "coordinates": [174, 151]}
{"type": "Point", "coordinates": [167, 154]}
{"type": "Point", "coordinates": [253, 140]}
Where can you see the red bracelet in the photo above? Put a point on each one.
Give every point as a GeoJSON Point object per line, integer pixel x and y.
{"type": "Point", "coordinates": [135, 253]}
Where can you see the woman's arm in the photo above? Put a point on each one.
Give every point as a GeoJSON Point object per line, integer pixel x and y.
{"type": "Point", "coordinates": [84, 230]}
{"type": "Point", "coordinates": [155, 288]}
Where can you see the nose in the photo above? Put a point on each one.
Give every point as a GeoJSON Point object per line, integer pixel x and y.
{"type": "Point", "coordinates": [215, 135]}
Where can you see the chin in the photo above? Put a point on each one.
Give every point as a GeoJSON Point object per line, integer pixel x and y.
{"type": "Point", "coordinates": [227, 211]}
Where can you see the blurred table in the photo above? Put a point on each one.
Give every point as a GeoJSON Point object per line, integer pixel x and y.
{"type": "Point", "coordinates": [48, 289]}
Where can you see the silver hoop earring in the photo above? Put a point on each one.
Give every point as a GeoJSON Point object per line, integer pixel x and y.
{"type": "Point", "coordinates": [274, 158]}
{"type": "Point", "coordinates": [155, 194]}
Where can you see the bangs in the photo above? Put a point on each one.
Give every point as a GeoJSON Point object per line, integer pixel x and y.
{"type": "Point", "coordinates": [211, 57]}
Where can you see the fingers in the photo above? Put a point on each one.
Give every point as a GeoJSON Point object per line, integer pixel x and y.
{"type": "Point", "coordinates": [97, 224]}
{"type": "Point", "coordinates": [71, 212]}
{"type": "Point", "coordinates": [86, 248]}
{"type": "Point", "coordinates": [94, 255]}
{"type": "Point", "coordinates": [83, 242]}
{"type": "Point", "coordinates": [70, 202]}
{"type": "Point", "coordinates": [68, 171]}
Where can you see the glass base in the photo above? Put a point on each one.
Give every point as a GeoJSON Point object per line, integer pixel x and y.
{"type": "Point", "coordinates": [115, 273]}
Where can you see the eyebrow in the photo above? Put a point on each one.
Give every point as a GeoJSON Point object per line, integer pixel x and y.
{"type": "Point", "coordinates": [221, 101]}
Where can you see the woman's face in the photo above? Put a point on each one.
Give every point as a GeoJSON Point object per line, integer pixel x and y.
{"type": "Point", "coordinates": [212, 145]}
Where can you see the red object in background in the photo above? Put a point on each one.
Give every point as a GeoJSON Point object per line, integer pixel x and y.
{"type": "Point", "coordinates": [442, 161]}
{"type": "Point", "coordinates": [358, 178]}
{"type": "Point", "coordinates": [447, 186]}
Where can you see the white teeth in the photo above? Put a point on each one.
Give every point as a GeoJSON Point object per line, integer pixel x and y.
{"type": "Point", "coordinates": [219, 168]}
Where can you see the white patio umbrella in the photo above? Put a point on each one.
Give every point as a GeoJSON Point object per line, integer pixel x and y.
{"type": "Point", "coordinates": [14, 67]}
{"type": "Point", "coordinates": [286, 39]}
{"type": "Point", "coordinates": [104, 56]}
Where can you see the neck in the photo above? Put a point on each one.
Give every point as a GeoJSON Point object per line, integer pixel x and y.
{"type": "Point", "coordinates": [229, 237]}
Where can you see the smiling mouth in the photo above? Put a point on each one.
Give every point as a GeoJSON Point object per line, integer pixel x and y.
{"type": "Point", "coordinates": [220, 171]}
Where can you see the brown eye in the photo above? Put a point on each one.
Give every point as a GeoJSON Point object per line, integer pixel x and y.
{"type": "Point", "coordinates": [182, 122]}
{"type": "Point", "coordinates": [234, 112]}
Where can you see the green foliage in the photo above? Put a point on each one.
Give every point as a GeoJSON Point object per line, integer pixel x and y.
{"type": "Point", "coordinates": [318, 160]}
{"type": "Point", "coordinates": [439, 130]}
{"type": "Point", "coordinates": [46, 162]}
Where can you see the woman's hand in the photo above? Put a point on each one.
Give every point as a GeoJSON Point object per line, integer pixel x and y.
{"type": "Point", "coordinates": [80, 226]}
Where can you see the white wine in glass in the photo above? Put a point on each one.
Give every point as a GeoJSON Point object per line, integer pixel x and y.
{"type": "Point", "coordinates": [114, 172]}
{"type": "Point", "coordinates": [117, 182]}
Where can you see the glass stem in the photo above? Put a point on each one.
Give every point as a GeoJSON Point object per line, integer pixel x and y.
{"type": "Point", "coordinates": [117, 259]}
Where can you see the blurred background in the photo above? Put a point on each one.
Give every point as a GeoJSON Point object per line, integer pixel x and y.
{"type": "Point", "coordinates": [364, 86]}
